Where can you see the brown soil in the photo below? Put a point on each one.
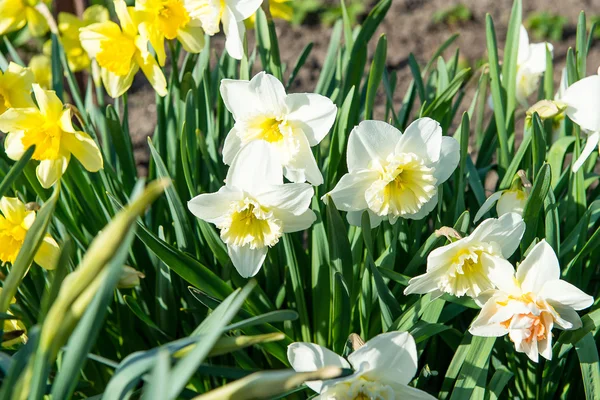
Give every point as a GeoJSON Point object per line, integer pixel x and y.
{"type": "Point", "coordinates": [409, 29]}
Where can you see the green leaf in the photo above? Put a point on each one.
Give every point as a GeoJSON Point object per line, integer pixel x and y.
{"type": "Point", "coordinates": [375, 75]}
{"type": "Point", "coordinates": [15, 171]}
{"type": "Point", "coordinates": [534, 205]}
{"type": "Point", "coordinates": [590, 366]}
{"type": "Point", "coordinates": [475, 364]}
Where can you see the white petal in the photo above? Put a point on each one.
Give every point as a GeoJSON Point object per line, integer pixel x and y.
{"type": "Point", "coordinates": [425, 209]}
{"type": "Point", "coordinates": [349, 193]}
{"type": "Point", "coordinates": [255, 167]}
{"type": "Point", "coordinates": [590, 145]}
{"type": "Point", "coordinates": [391, 357]}
{"type": "Point", "coordinates": [212, 207]}
{"type": "Point", "coordinates": [13, 145]}
{"type": "Point", "coordinates": [313, 113]}
{"type": "Point", "coordinates": [303, 167]}
{"type": "Point", "coordinates": [355, 218]}
{"type": "Point", "coordinates": [423, 138]}
{"type": "Point", "coordinates": [483, 326]}
{"type": "Point", "coordinates": [406, 392]}
{"type": "Point", "coordinates": [583, 102]}
{"type": "Point", "coordinates": [244, 8]}
{"type": "Point", "coordinates": [559, 291]}
{"type": "Point", "coordinates": [566, 318]}
{"type": "Point", "coordinates": [293, 198]}
{"type": "Point", "coordinates": [239, 98]}
{"type": "Point", "coordinates": [512, 201]}
{"type": "Point", "coordinates": [501, 273]}
{"type": "Point", "coordinates": [307, 357]}
{"type": "Point", "coordinates": [422, 284]}
{"type": "Point", "coordinates": [536, 62]}
{"type": "Point", "coordinates": [270, 92]}
{"type": "Point", "coordinates": [231, 147]}
{"type": "Point", "coordinates": [523, 52]}
{"type": "Point", "coordinates": [370, 141]}
{"type": "Point", "coordinates": [506, 231]}
{"type": "Point", "coordinates": [540, 266]}
{"type": "Point", "coordinates": [487, 205]}
{"type": "Point", "coordinates": [234, 34]}
{"type": "Point", "coordinates": [294, 223]}
{"type": "Point", "coordinates": [449, 159]}
{"type": "Point", "coordinates": [247, 261]}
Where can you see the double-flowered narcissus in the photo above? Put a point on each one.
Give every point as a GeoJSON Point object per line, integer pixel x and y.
{"type": "Point", "coordinates": [464, 266]}
{"type": "Point", "coordinates": [526, 305]}
{"type": "Point", "coordinates": [168, 19]}
{"type": "Point", "coordinates": [531, 64]}
{"type": "Point", "coordinates": [49, 127]}
{"type": "Point", "coordinates": [121, 51]}
{"type": "Point", "coordinates": [15, 221]}
{"type": "Point", "coordinates": [384, 366]}
{"type": "Point", "coordinates": [583, 104]}
{"type": "Point", "coordinates": [230, 13]}
{"type": "Point", "coordinates": [255, 208]}
{"type": "Point", "coordinates": [15, 87]}
{"type": "Point", "coordinates": [14, 14]}
{"type": "Point", "coordinates": [394, 175]}
{"type": "Point", "coordinates": [290, 123]}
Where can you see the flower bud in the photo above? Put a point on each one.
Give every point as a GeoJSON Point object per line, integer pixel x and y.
{"type": "Point", "coordinates": [547, 109]}
{"type": "Point", "coordinates": [130, 278]}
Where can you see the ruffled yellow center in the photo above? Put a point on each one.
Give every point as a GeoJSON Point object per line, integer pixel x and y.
{"type": "Point", "coordinates": [46, 140]}
{"type": "Point", "coordinates": [171, 17]}
{"type": "Point", "coordinates": [404, 186]}
{"type": "Point", "coordinates": [466, 273]}
{"type": "Point", "coordinates": [250, 224]}
{"type": "Point", "coordinates": [116, 55]}
{"type": "Point", "coordinates": [359, 389]}
{"type": "Point", "coordinates": [4, 102]}
{"type": "Point", "coordinates": [11, 240]}
{"type": "Point", "coordinates": [268, 129]}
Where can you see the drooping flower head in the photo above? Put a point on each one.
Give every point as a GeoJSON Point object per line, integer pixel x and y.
{"type": "Point", "coordinates": [15, 221]}
{"type": "Point", "coordinates": [14, 14]}
{"type": "Point", "coordinates": [168, 19]}
{"type": "Point", "coordinates": [394, 175]}
{"type": "Point", "coordinates": [289, 123]}
{"type": "Point", "coordinates": [15, 87]}
{"type": "Point", "coordinates": [255, 208]}
{"type": "Point", "coordinates": [230, 13]}
{"type": "Point", "coordinates": [531, 64]}
{"type": "Point", "coordinates": [121, 51]}
{"type": "Point", "coordinates": [582, 99]}
{"type": "Point", "coordinates": [527, 305]}
{"type": "Point", "coordinates": [69, 26]}
{"type": "Point", "coordinates": [384, 366]}
{"type": "Point", "coordinates": [464, 266]}
{"type": "Point", "coordinates": [48, 126]}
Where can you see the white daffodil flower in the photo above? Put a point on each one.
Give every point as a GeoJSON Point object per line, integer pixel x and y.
{"type": "Point", "coordinates": [384, 366]}
{"type": "Point", "coordinates": [531, 64]}
{"type": "Point", "coordinates": [289, 123]}
{"type": "Point", "coordinates": [230, 13]}
{"type": "Point", "coordinates": [391, 174]}
{"type": "Point", "coordinates": [583, 102]}
{"type": "Point", "coordinates": [255, 208]}
{"type": "Point", "coordinates": [512, 200]}
{"type": "Point", "coordinates": [527, 306]}
{"type": "Point", "coordinates": [464, 266]}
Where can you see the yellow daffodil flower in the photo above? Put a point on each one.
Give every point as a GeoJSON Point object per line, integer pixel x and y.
{"type": "Point", "coordinates": [41, 67]}
{"type": "Point", "coordinates": [15, 86]}
{"type": "Point", "coordinates": [14, 14]}
{"type": "Point", "coordinates": [69, 26]}
{"type": "Point", "coordinates": [15, 221]}
{"type": "Point", "coordinates": [280, 9]}
{"type": "Point", "coordinates": [49, 127]}
{"type": "Point", "coordinates": [122, 51]}
{"type": "Point", "coordinates": [168, 19]}
{"type": "Point", "coordinates": [15, 331]}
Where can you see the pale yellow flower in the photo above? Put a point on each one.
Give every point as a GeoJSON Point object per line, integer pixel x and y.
{"type": "Point", "coordinates": [15, 86]}
{"type": "Point", "coordinates": [15, 331]}
{"type": "Point", "coordinates": [168, 19]}
{"type": "Point", "coordinates": [121, 51]}
{"type": "Point", "coordinates": [41, 67]}
{"type": "Point", "coordinates": [15, 14]}
{"type": "Point", "coordinates": [49, 127]}
{"type": "Point", "coordinates": [15, 221]}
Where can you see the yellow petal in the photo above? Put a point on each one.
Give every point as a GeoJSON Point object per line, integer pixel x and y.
{"type": "Point", "coordinates": [124, 14]}
{"type": "Point", "coordinates": [50, 171]}
{"type": "Point", "coordinates": [156, 39]}
{"type": "Point", "coordinates": [15, 87]}
{"type": "Point", "coordinates": [13, 209]}
{"type": "Point", "coordinates": [95, 13]}
{"type": "Point", "coordinates": [83, 147]}
{"type": "Point", "coordinates": [191, 38]}
{"type": "Point", "coordinates": [36, 22]}
{"type": "Point", "coordinates": [155, 76]}
{"type": "Point", "coordinates": [47, 254]}
{"type": "Point", "coordinates": [41, 67]}
{"type": "Point", "coordinates": [16, 119]}
{"type": "Point", "coordinates": [13, 145]}
{"type": "Point", "coordinates": [48, 102]}
{"type": "Point", "coordinates": [69, 24]}
{"type": "Point", "coordinates": [116, 85]}
{"type": "Point", "coordinates": [91, 36]}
